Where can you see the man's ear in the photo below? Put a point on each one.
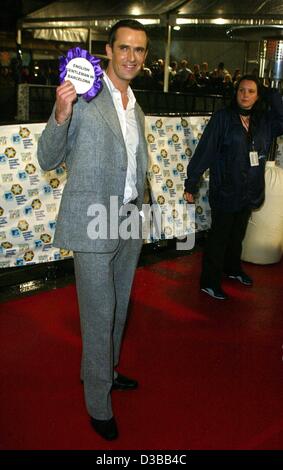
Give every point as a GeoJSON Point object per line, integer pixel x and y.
{"type": "Point", "coordinates": [108, 51]}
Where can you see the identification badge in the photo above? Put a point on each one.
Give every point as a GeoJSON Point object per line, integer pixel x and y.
{"type": "Point", "coordinates": [254, 158]}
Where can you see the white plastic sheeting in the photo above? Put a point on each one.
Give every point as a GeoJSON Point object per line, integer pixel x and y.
{"type": "Point", "coordinates": [263, 243]}
{"type": "Point", "coordinates": [68, 35]}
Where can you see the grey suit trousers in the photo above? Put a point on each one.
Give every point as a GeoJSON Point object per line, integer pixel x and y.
{"type": "Point", "coordinates": [104, 282]}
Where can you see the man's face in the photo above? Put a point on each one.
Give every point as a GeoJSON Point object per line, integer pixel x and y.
{"type": "Point", "coordinates": [247, 94]}
{"type": "Point", "coordinates": [127, 55]}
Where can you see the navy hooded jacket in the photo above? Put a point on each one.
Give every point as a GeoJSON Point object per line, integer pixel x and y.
{"type": "Point", "coordinates": [224, 148]}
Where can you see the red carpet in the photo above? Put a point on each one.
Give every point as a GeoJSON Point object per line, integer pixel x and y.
{"type": "Point", "coordinates": [210, 372]}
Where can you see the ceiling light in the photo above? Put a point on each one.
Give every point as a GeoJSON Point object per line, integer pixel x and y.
{"type": "Point", "coordinates": [219, 21]}
{"type": "Point", "coordinates": [136, 11]}
{"type": "Point", "coordinates": [147, 21]}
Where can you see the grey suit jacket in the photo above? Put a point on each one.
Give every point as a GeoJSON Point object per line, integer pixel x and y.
{"type": "Point", "coordinates": [92, 146]}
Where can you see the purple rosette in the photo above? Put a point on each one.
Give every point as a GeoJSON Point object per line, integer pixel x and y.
{"type": "Point", "coordinates": [77, 52]}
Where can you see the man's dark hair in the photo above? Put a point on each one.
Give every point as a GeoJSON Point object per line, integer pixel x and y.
{"type": "Point", "coordinates": [127, 23]}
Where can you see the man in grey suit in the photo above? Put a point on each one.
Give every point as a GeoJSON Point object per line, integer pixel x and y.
{"type": "Point", "coordinates": [103, 146]}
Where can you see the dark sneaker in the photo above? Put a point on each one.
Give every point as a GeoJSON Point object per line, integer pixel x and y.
{"type": "Point", "coordinates": [243, 278]}
{"type": "Point", "coordinates": [215, 293]}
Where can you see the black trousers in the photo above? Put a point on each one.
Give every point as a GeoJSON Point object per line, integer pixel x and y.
{"type": "Point", "coordinates": [223, 249]}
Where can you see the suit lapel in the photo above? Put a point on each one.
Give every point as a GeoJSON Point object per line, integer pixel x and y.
{"type": "Point", "coordinates": [104, 105]}
{"type": "Point", "coordinates": [106, 108]}
{"type": "Point", "coordinates": [142, 156]}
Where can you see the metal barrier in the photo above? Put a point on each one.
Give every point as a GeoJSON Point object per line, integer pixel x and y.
{"type": "Point", "coordinates": [158, 102]}
{"type": "Point", "coordinates": [8, 103]}
{"type": "Point", "coordinates": [35, 102]}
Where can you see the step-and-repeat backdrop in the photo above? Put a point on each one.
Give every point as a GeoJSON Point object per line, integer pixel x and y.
{"type": "Point", "coordinates": [30, 198]}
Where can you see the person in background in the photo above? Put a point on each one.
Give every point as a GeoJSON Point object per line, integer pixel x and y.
{"type": "Point", "coordinates": [197, 72]}
{"type": "Point", "coordinates": [221, 71]}
{"type": "Point", "coordinates": [227, 86]}
{"type": "Point", "coordinates": [144, 80]}
{"type": "Point", "coordinates": [6, 78]}
{"type": "Point", "coordinates": [183, 74]}
{"type": "Point", "coordinates": [103, 145]}
{"type": "Point", "coordinates": [172, 73]}
{"type": "Point", "coordinates": [204, 70]}
{"type": "Point", "coordinates": [237, 75]}
{"type": "Point", "coordinates": [204, 78]}
{"type": "Point", "coordinates": [158, 74]}
{"type": "Point", "coordinates": [174, 68]}
{"type": "Point", "coordinates": [234, 146]}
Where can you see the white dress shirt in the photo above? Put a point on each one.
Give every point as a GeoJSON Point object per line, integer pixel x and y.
{"type": "Point", "coordinates": [130, 133]}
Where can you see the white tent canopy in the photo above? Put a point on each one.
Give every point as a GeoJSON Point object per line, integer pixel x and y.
{"type": "Point", "coordinates": [86, 20]}
{"type": "Point", "coordinates": [65, 13]}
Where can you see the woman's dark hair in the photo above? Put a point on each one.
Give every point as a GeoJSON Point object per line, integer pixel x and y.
{"type": "Point", "coordinates": [127, 23]}
{"type": "Point", "coordinates": [252, 78]}
{"type": "Point", "coordinates": [259, 105]}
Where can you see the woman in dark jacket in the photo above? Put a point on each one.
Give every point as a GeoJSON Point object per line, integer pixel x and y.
{"type": "Point", "coordinates": [234, 146]}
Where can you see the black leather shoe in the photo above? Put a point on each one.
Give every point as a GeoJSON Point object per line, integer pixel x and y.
{"type": "Point", "coordinates": [124, 383]}
{"type": "Point", "coordinates": [105, 428]}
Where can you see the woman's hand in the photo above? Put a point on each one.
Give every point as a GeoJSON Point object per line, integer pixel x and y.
{"type": "Point", "coordinates": [189, 197]}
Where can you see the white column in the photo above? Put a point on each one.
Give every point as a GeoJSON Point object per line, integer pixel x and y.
{"type": "Point", "coordinates": [167, 58]}
{"type": "Point", "coordinates": [89, 40]}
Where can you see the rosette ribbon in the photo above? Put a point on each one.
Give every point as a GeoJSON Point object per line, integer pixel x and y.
{"type": "Point", "coordinates": [98, 72]}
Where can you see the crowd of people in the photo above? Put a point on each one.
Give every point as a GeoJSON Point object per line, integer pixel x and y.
{"type": "Point", "coordinates": [183, 79]}
{"type": "Point", "coordinates": [11, 75]}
